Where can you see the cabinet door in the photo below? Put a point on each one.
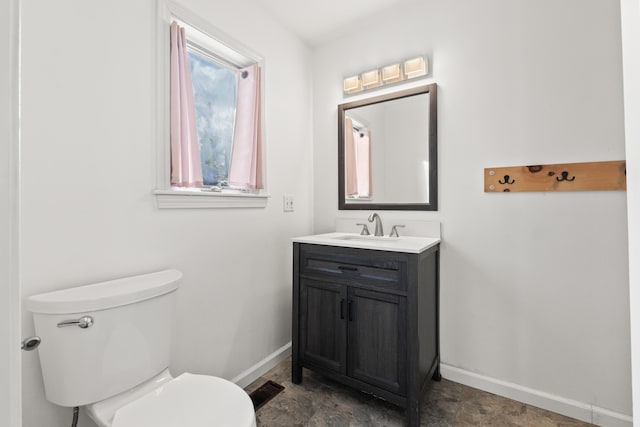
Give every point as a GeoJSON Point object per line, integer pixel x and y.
{"type": "Point", "coordinates": [377, 339]}
{"type": "Point", "coordinates": [323, 324]}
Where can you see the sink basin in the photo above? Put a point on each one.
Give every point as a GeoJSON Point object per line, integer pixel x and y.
{"type": "Point", "coordinates": [343, 236]}
{"type": "Point", "coordinates": [409, 244]}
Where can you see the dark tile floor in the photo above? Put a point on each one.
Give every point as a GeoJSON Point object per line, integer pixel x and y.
{"type": "Point", "coordinates": [321, 402]}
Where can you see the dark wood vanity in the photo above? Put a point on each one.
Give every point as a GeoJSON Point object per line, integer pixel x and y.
{"type": "Point", "coordinates": [368, 319]}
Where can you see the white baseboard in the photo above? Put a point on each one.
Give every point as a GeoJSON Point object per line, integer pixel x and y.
{"type": "Point", "coordinates": [571, 408]}
{"type": "Point", "coordinates": [248, 376]}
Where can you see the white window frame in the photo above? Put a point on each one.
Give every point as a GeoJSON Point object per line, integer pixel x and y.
{"type": "Point", "coordinates": [168, 197]}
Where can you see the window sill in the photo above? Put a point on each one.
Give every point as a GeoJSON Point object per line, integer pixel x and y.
{"type": "Point", "coordinates": [194, 199]}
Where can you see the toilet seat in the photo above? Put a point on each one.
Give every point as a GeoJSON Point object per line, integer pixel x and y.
{"type": "Point", "coordinates": [189, 401]}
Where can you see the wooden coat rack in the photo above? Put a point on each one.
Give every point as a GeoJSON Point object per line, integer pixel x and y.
{"type": "Point", "coordinates": [591, 176]}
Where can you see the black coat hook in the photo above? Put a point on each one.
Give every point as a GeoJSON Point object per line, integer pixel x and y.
{"type": "Point", "coordinates": [506, 180]}
{"type": "Point", "coordinates": [565, 175]}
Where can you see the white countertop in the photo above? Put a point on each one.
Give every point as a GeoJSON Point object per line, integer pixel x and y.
{"type": "Point", "coordinates": [408, 244]}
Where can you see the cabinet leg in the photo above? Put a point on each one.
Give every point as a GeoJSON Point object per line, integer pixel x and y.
{"type": "Point", "coordinates": [436, 373]}
{"type": "Point", "coordinates": [296, 373]}
{"type": "Point", "coordinates": [413, 414]}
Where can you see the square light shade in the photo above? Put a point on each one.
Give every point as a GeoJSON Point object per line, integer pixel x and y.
{"type": "Point", "coordinates": [371, 79]}
{"type": "Point", "coordinates": [352, 84]}
{"type": "Point", "coordinates": [415, 67]}
{"type": "Point", "coordinates": [391, 73]}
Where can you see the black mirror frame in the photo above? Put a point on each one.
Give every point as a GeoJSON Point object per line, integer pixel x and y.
{"type": "Point", "coordinates": [431, 89]}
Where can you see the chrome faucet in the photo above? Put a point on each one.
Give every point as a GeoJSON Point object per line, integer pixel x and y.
{"type": "Point", "coordinates": [375, 217]}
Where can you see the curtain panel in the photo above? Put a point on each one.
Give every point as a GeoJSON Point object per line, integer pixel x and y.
{"type": "Point", "coordinates": [357, 159]}
{"type": "Point", "coordinates": [245, 167]}
{"type": "Point", "coordinates": [186, 170]}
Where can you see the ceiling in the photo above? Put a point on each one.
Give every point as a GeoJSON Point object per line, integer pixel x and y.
{"type": "Point", "coordinates": [318, 21]}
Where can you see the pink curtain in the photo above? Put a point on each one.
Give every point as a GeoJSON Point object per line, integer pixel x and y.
{"type": "Point", "coordinates": [357, 159]}
{"type": "Point", "coordinates": [186, 170]}
{"type": "Point", "coordinates": [245, 165]}
{"type": "Point", "coordinates": [350, 166]}
{"type": "Point", "coordinates": [363, 161]}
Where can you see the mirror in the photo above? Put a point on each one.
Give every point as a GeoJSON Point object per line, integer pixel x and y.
{"type": "Point", "coordinates": [387, 152]}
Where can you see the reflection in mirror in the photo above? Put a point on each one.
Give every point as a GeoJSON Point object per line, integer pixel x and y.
{"type": "Point", "coordinates": [388, 151]}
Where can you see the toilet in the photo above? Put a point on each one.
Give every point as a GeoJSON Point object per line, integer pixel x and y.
{"type": "Point", "coordinates": [106, 347]}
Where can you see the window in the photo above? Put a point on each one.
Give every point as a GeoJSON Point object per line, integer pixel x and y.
{"type": "Point", "coordinates": [214, 90]}
{"type": "Point", "coordinates": [211, 155]}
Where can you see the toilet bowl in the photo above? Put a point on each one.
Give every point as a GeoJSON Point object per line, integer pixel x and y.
{"type": "Point", "coordinates": [188, 400]}
{"type": "Point", "coordinates": [105, 347]}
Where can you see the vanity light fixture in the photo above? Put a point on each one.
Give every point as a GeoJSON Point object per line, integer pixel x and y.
{"type": "Point", "coordinates": [352, 84]}
{"type": "Point", "coordinates": [371, 79]}
{"type": "Point", "coordinates": [415, 67]}
{"type": "Point", "coordinates": [389, 74]}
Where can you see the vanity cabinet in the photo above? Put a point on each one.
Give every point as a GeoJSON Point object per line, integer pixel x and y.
{"type": "Point", "coordinates": [322, 317]}
{"type": "Point", "coordinates": [373, 321]}
{"type": "Point", "coordinates": [377, 339]}
{"type": "Point", "coordinates": [368, 319]}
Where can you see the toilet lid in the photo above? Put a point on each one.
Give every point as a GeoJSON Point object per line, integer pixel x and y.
{"type": "Point", "coordinates": [189, 401]}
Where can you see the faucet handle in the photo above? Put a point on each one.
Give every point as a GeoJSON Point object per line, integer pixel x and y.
{"type": "Point", "coordinates": [394, 231]}
{"type": "Point", "coordinates": [365, 230]}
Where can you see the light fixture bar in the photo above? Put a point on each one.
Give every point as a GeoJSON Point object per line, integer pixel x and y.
{"type": "Point", "coordinates": [389, 74]}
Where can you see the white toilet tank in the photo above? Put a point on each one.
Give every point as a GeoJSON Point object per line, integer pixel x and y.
{"type": "Point", "coordinates": [127, 342]}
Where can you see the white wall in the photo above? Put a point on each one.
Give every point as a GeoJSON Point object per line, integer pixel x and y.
{"type": "Point", "coordinates": [630, 10]}
{"type": "Point", "coordinates": [88, 170]}
{"type": "Point", "coordinates": [533, 285]}
{"type": "Point", "coordinates": [9, 298]}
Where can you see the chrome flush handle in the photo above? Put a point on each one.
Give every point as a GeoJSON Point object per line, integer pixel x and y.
{"type": "Point", "coordinates": [83, 322]}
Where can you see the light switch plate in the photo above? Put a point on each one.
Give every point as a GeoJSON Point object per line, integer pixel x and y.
{"type": "Point", "coordinates": [287, 203]}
